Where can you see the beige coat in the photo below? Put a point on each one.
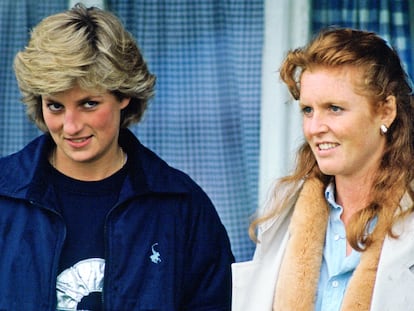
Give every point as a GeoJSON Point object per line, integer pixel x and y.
{"type": "Point", "coordinates": [254, 281]}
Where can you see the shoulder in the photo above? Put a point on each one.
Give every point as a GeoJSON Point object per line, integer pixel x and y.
{"type": "Point", "coordinates": [159, 176]}
{"type": "Point", "coordinates": [19, 169]}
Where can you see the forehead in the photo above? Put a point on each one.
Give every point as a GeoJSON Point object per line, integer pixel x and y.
{"type": "Point", "coordinates": [336, 82]}
{"type": "Point", "coordinates": [333, 86]}
{"type": "Point", "coordinates": [76, 92]}
{"type": "Point", "coordinates": [350, 73]}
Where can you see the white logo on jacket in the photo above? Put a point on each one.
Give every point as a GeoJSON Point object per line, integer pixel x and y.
{"type": "Point", "coordinates": [156, 256]}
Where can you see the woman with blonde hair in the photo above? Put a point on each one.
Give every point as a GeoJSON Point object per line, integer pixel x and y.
{"type": "Point", "coordinates": [338, 232]}
{"type": "Point", "coordinates": [90, 219]}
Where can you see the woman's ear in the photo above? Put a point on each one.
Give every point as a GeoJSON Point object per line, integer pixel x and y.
{"type": "Point", "coordinates": [388, 110]}
{"type": "Point", "coordinates": [124, 102]}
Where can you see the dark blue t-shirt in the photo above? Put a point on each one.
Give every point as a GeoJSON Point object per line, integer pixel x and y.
{"type": "Point", "coordinates": [84, 206]}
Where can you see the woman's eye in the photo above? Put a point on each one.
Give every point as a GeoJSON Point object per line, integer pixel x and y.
{"type": "Point", "coordinates": [336, 108]}
{"type": "Point", "coordinates": [306, 110]}
{"type": "Point", "coordinates": [90, 104]}
{"type": "Point", "coordinates": [54, 107]}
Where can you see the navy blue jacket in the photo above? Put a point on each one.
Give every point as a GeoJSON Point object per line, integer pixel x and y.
{"type": "Point", "coordinates": [157, 204]}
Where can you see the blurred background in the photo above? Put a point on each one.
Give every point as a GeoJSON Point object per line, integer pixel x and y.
{"type": "Point", "coordinates": [220, 113]}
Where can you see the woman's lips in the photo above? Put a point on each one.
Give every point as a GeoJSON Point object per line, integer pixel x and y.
{"type": "Point", "coordinates": [78, 142]}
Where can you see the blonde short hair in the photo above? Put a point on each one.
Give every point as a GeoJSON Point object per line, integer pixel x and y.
{"type": "Point", "coordinates": [88, 47]}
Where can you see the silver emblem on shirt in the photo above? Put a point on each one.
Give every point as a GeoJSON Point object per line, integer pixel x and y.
{"type": "Point", "coordinates": [79, 281]}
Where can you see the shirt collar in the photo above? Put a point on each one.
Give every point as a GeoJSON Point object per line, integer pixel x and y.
{"type": "Point", "coordinates": [330, 196]}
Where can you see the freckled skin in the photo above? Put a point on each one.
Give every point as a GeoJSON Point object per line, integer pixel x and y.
{"type": "Point", "coordinates": [334, 113]}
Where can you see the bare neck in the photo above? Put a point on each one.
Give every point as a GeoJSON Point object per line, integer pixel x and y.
{"type": "Point", "coordinates": [352, 195]}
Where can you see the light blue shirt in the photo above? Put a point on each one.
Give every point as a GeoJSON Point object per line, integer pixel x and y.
{"type": "Point", "coordinates": [337, 268]}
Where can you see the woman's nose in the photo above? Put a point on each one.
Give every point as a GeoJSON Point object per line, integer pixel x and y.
{"type": "Point", "coordinates": [72, 122]}
{"type": "Point", "coordinates": [316, 124]}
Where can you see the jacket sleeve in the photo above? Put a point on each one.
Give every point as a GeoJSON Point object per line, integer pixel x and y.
{"type": "Point", "coordinates": [209, 259]}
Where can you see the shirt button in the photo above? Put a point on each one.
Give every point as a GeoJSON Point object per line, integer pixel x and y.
{"type": "Point", "coordinates": [336, 237]}
{"type": "Point", "coordinates": [335, 284]}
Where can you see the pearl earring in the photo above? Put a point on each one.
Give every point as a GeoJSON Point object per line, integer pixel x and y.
{"type": "Point", "coordinates": [384, 129]}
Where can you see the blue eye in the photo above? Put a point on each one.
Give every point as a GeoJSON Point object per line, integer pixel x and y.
{"type": "Point", "coordinates": [90, 104]}
{"type": "Point", "coordinates": [336, 108]}
{"type": "Point", "coordinates": [54, 107]}
{"type": "Point", "coordinates": [307, 110]}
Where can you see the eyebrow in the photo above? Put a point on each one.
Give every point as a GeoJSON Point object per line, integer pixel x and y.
{"type": "Point", "coordinates": [327, 103]}
{"type": "Point", "coordinates": [79, 101]}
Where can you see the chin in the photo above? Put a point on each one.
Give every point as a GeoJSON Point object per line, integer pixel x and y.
{"type": "Point", "coordinates": [328, 171]}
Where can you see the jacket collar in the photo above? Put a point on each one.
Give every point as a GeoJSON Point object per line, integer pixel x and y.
{"type": "Point", "coordinates": [395, 277]}
{"type": "Point", "coordinates": [149, 173]}
{"type": "Point", "coordinates": [23, 173]}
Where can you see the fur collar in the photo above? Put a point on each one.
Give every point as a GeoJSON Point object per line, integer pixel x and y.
{"type": "Point", "coordinates": [299, 272]}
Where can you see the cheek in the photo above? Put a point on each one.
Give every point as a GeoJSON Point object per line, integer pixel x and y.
{"type": "Point", "coordinates": [105, 119]}
{"type": "Point", "coordinates": [305, 129]}
{"type": "Point", "coordinates": [52, 121]}
{"type": "Point", "coordinates": [369, 139]}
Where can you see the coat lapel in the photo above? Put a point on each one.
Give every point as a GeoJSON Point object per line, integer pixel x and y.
{"type": "Point", "coordinates": [299, 273]}
{"type": "Point", "coordinates": [254, 281]}
{"type": "Point", "coordinates": [395, 277]}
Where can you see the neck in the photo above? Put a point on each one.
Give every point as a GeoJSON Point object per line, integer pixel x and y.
{"type": "Point", "coordinates": [92, 170]}
{"type": "Point", "coordinates": [352, 196]}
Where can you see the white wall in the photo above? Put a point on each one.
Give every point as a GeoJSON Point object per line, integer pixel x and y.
{"type": "Point", "coordinates": [286, 26]}
{"type": "Point", "coordinates": [88, 3]}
